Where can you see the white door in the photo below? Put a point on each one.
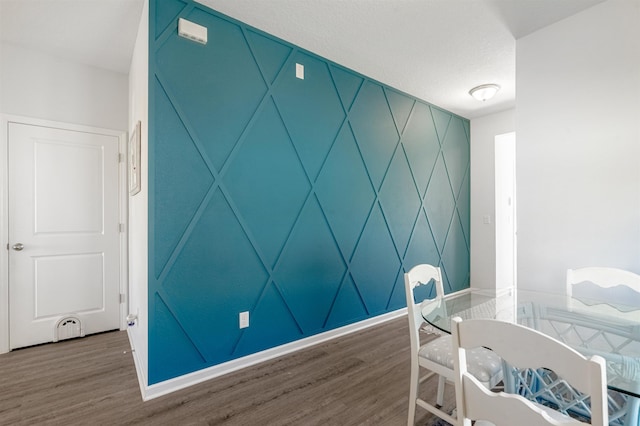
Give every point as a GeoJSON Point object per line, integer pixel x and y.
{"type": "Point", "coordinates": [505, 175]}
{"type": "Point", "coordinates": [63, 234]}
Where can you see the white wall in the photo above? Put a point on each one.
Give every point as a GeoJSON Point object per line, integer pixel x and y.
{"type": "Point", "coordinates": [139, 110]}
{"type": "Point", "coordinates": [38, 85]}
{"type": "Point", "coordinates": [578, 153]}
{"type": "Point", "coordinates": [483, 242]}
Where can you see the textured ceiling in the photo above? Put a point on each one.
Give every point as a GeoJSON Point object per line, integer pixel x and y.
{"type": "Point", "coordinates": [433, 49]}
{"type": "Point", "coordinates": [436, 50]}
{"type": "Point", "coordinates": [100, 33]}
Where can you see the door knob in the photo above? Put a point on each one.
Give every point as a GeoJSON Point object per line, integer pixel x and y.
{"type": "Point", "coordinates": [18, 246]}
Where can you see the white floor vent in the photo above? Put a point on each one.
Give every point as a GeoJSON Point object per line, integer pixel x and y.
{"type": "Point", "coordinates": [68, 328]}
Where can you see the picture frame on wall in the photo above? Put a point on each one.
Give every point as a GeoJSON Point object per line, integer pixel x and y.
{"type": "Point", "coordinates": [134, 160]}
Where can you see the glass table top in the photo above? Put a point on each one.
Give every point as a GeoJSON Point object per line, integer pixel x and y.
{"type": "Point", "coordinates": [611, 330]}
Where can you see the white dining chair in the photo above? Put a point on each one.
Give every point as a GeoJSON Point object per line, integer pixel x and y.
{"type": "Point", "coordinates": [522, 348]}
{"type": "Point", "coordinates": [610, 286]}
{"type": "Point", "coordinates": [607, 285]}
{"type": "Point", "coordinates": [436, 355]}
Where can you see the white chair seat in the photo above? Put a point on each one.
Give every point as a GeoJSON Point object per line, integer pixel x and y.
{"type": "Point", "coordinates": [482, 363]}
{"type": "Point", "coordinates": [436, 355]}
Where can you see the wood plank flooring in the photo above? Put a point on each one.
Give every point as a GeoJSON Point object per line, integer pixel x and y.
{"type": "Point", "coordinates": [359, 379]}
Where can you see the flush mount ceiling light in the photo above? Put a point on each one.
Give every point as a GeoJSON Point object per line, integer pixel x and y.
{"type": "Point", "coordinates": [484, 91]}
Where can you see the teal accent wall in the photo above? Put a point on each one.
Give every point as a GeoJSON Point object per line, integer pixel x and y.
{"type": "Point", "coordinates": [300, 201]}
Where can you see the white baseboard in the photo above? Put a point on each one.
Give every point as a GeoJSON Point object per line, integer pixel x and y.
{"type": "Point", "coordinates": [140, 369]}
{"type": "Point", "coordinates": [172, 385]}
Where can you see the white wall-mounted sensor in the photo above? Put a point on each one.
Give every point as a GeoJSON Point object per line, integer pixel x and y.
{"type": "Point", "coordinates": [192, 31]}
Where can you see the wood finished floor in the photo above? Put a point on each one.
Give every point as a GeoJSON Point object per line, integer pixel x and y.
{"type": "Point", "coordinates": [359, 379]}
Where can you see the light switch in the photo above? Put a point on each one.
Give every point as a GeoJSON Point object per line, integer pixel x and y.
{"type": "Point", "coordinates": [300, 71]}
{"type": "Point", "coordinates": [486, 219]}
{"type": "Point", "coordinates": [244, 319]}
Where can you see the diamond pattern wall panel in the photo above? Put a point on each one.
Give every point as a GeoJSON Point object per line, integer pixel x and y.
{"type": "Point", "coordinates": [311, 269]}
{"type": "Point", "coordinates": [441, 121]}
{"type": "Point", "coordinates": [270, 55]}
{"type": "Point", "coordinates": [463, 206]}
{"type": "Point", "coordinates": [267, 183]}
{"type": "Point", "coordinates": [421, 143]}
{"type": "Point", "coordinates": [400, 199]}
{"type": "Point", "coordinates": [454, 257]}
{"type": "Point", "coordinates": [422, 247]}
{"type": "Point", "coordinates": [166, 13]}
{"type": "Point", "coordinates": [272, 324]}
{"type": "Point", "coordinates": [348, 306]}
{"type": "Point", "coordinates": [456, 154]}
{"type": "Point", "coordinates": [174, 354]}
{"type": "Point", "coordinates": [310, 108]}
{"type": "Point", "coordinates": [375, 263]}
{"type": "Point", "coordinates": [400, 106]}
{"type": "Point", "coordinates": [345, 191]}
{"type": "Point", "coordinates": [440, 203]}
{"type": "Point", "coordinates": [397, 299]}
{"type": "Point", "coordinates": [218, 100]}
{"type": "Point", "coordinates": [347, 84]}
{"type": "Point", "coordinates": [218, 264]}
{"type": "Point", "coordinates": [302, 201]}
{"type": "Point", "coordinates": [182, 178]}
{"type": "Point", "coordinates": [374, 129]}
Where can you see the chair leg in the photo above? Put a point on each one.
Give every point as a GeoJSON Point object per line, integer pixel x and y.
{"type": "Point", "coordinates": [440, 396]}
{"type": "Point", "coordinates": [633, 407]}
{"type": "Point", "coordinates": [413, 393]}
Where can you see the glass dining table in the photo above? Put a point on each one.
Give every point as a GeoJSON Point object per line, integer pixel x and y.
{"type": "Point", "coordinates": [611, 330]}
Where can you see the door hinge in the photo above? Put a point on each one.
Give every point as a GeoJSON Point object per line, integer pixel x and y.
{"type": "Point", "coordinates": [120, 157]}
{"type": "Point", "coordinates": [121, 227]}
{"type": "Point", "coordinates": [122, 297]}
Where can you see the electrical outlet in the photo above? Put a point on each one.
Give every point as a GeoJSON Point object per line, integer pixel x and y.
{"type": "Point", "coordinates": [300, 71]}
{"type": "Point", "coordinates": [244, 319]}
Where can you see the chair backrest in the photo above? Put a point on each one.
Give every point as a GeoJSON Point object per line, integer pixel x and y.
{"type": "Point", "coordinates": [419, 275]}
{"type": "Point", "coordinates": [602, 277]}
{"type": "Point", "coordinates": [522, 347]}
{"type": "Point", "coordinates": [617, 290]}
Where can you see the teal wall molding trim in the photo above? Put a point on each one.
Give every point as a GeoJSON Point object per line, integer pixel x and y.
{"type": "Point", "coordinates": [301, 201]}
